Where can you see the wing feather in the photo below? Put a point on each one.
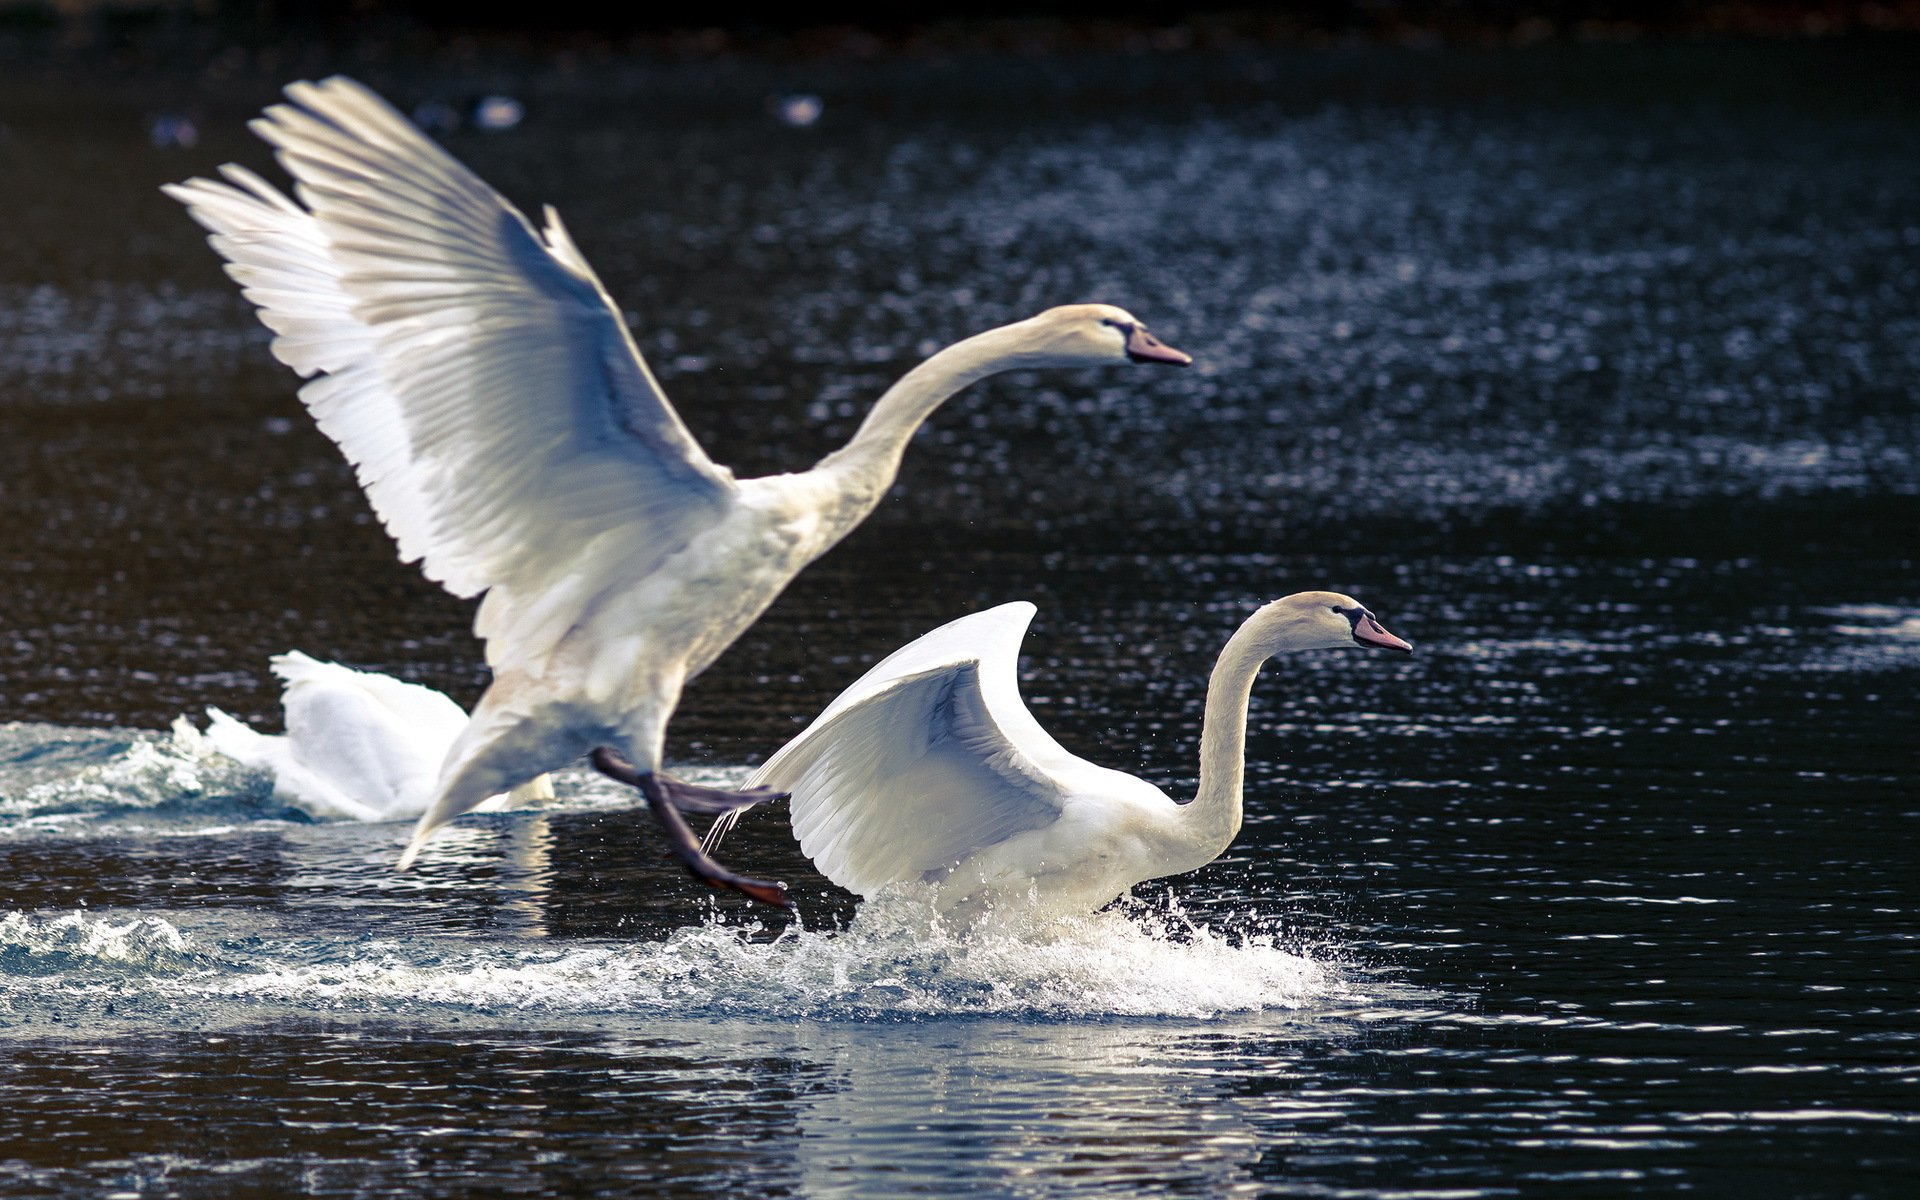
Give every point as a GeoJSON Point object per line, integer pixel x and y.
{"type": "Point", "coordinates": [473, 369]}
{"type": "Point", "coordinates": [928, 758]}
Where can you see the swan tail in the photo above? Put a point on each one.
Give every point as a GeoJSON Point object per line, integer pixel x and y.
{"type": "Point", "coordinates": [239, 741]}
{"type": "Point", "coordinates": [296, 667]}
{"type": "Point", "coordinates": [446, 806]}
{"type": "Point", "coordinates": [461, 790]}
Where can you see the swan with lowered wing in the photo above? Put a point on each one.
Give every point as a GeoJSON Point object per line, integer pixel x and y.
{"type": "Point", "coordinates": [930, 769]}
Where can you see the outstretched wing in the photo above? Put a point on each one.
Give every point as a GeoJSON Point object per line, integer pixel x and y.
{"type": "Point", "coordinates": [930, 757]}
{"type": "Point", "coordinates": [473, 369]}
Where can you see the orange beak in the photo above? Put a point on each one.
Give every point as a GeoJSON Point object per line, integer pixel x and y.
{"type": "Point", "coordinates": [1369, 632]}
{"type": "Point", "coordinates": [1144, 347]}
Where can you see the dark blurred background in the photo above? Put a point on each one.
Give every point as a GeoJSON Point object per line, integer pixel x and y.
{"type": "Point", "coordinates": [1467, 280]}
{"type": "Point", "coordinates": [162, 31]}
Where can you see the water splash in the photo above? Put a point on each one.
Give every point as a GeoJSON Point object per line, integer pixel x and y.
{"type": "Point", "coordinates": [81, 943]}
{"type": "Point", "coordinates": [896, 959]}
{"type": "Point", "coordinates": [52, 769]}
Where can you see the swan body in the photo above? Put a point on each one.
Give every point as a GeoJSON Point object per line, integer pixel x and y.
{"type": "Point", "coordinates": [930, 769]}
{"type": "Point", "coordinates": [512, 440]}
{"type": "Point", "coordinates": [359, 745]}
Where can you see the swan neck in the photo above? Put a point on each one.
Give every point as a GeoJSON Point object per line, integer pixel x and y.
{"type": "Point", "coordinates": [873, 455]}
{"type": "Point", "coordinates": [1212, 821]}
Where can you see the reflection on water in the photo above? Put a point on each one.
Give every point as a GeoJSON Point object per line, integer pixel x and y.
{"type": "Point", "coordinates": [1605, 400]}
{"type": "Point", "coordinates": [991, 1107]}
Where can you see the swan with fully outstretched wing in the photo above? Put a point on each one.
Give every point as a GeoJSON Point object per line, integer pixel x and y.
{"type": "Point", "coordinates": [930, 769]}
{"type": "Point", "coordinates": [513, 441]}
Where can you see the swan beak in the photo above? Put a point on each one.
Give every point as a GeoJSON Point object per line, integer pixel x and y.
{"type": "Point", "coordinates": [1369, 632]}
{"type": "Point", "coordinates": [1144, 347]}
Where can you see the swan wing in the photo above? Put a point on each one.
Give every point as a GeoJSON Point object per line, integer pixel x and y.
{"type": "Point", "coordinates": [429, 716]}
{"type": "Point", "coordinates": [473, 368]}
{"type": "Point", "coordinates": [364, 735]}
{"type": "Point", "coordinates": [293, 781]}
{"type": "Point", "coordinates": [928, 758]}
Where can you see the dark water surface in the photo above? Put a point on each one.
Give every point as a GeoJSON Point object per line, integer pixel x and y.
{"type": "Point", "coordinates": [1593, 370]}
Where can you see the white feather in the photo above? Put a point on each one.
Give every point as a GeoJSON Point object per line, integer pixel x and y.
{"type": "Point", "coordinates": [931, 758]}
{"type": "Point", "coordinates": [929, 769]}
{"type": "Point", "coordinates": [359, 745]}
{"type": "Point", "coordinates": [503, 423]}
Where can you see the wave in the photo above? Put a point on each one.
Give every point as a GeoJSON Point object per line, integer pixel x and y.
{"type": "Point", "coordinates": [82, 944]}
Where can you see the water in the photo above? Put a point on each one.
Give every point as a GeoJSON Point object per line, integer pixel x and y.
{"type": "Point", "coordinates": [1603, 397]}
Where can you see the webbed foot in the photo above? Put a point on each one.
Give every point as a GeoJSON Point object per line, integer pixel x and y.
{"type": "Point", "coordinates": [664, 794]}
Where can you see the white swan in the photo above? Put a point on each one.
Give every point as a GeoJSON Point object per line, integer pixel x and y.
{"type": "Point", "coordinates": [929, 768]}
{"type": "Point", "coordinates": [512, 439]}
{"type": "Point", "coordinates": [358, 745]}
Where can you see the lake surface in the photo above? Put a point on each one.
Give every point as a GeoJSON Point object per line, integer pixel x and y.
{"type": "Point", "coordinates": [1593, 370]}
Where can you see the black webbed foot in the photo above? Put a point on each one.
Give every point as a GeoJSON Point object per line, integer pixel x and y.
{"type": "Point", "coordinates": [664, 793]}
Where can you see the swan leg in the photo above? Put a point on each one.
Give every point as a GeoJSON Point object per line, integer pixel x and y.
{"type": "Point", "coordinates": [692, 797]}
{"type": "Point", "coordinates": [660, 799]}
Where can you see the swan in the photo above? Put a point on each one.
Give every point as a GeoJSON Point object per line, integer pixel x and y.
{"type": "Point", "coordinates": [930, 769]}
{"type": "Point", "coordinates": [358, 745]}
{"type": "Point", "coordinates": [513, 441]}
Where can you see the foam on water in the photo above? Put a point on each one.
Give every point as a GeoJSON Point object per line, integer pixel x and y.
{"type": "Point", "coordinates": [897, 959]}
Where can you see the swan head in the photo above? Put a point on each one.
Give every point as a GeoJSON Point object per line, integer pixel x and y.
{"type": "Point", "coordinates": [1088, 334]}
{"type": "Point", "coordinates": [1324, 620]}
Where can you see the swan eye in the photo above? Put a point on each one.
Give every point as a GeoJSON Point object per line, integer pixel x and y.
{"type": "Point", "coordinates": [1122, 326]}
{"type": "Point", "coordinates": [1354, 615]}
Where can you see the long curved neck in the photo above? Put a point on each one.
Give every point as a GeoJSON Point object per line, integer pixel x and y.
{"type": "Point", "coordinates": [868, 463]}
{"type": "Point", "coordinates": [1209, 824]}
